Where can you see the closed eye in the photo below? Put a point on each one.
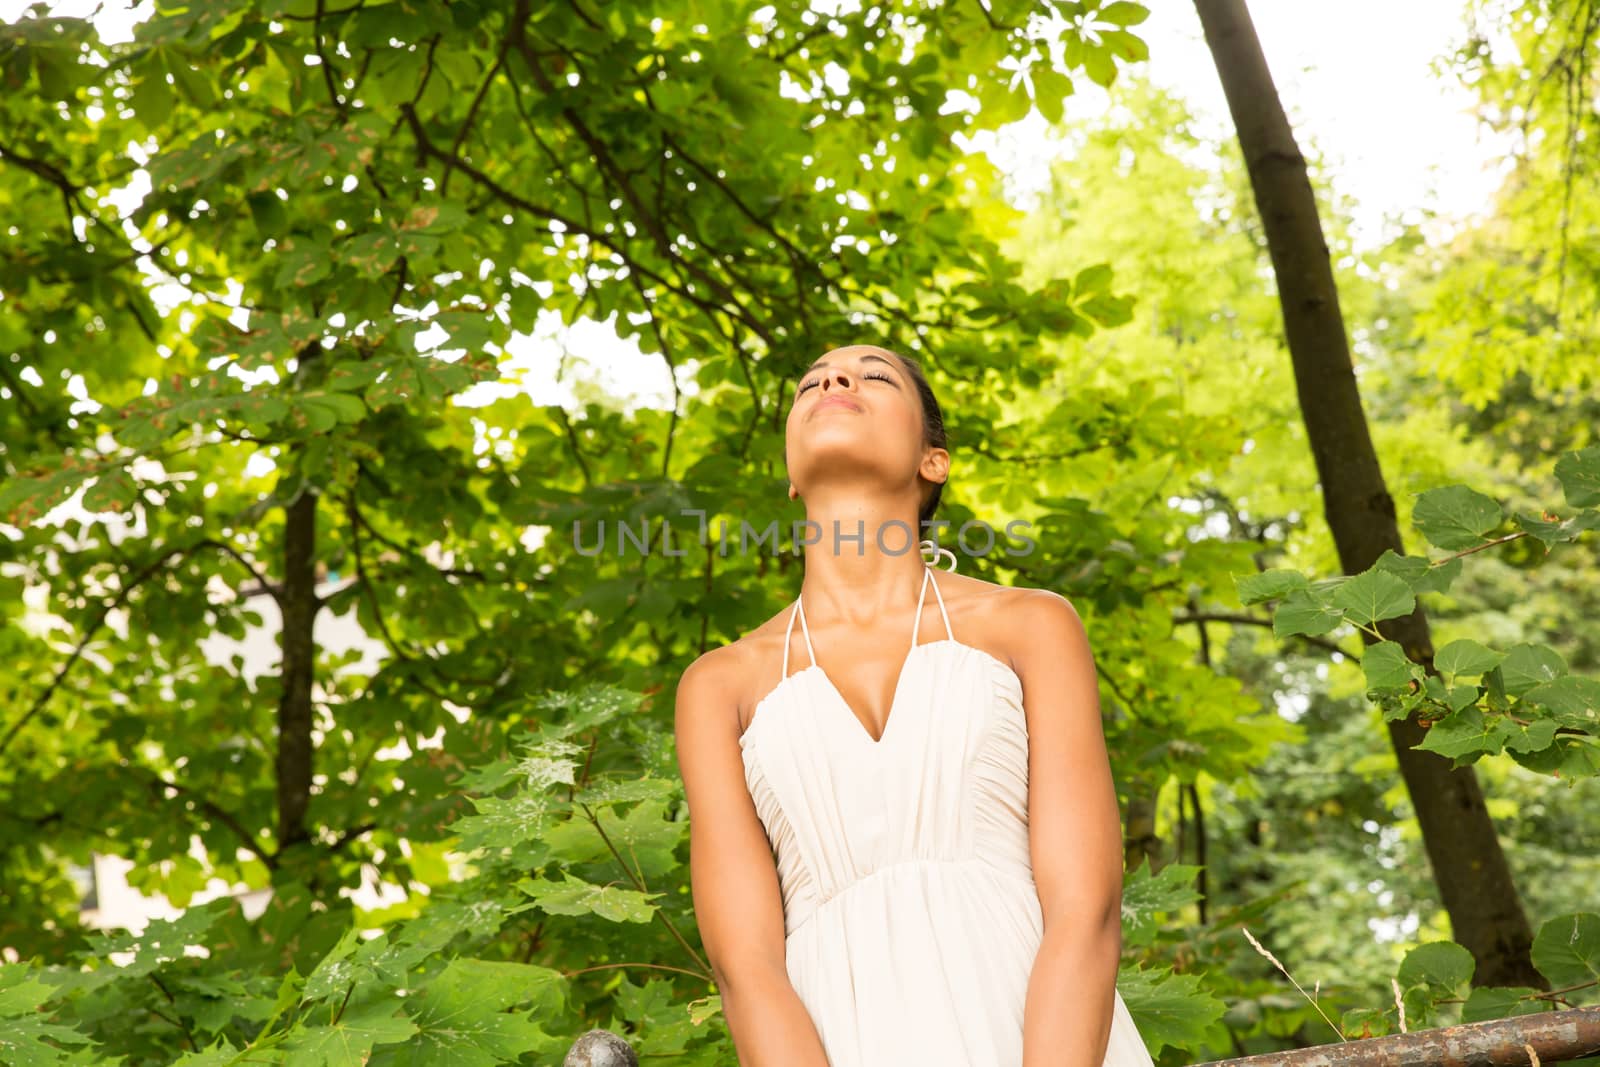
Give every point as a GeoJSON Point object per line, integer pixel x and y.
{"type": "Point", "coordinates": [878, 374]}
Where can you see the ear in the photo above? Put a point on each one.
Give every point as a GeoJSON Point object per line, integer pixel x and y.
{"type": "Point", "coordinates": [935, 466]}
{"type": "Point", "coordinates": [794, 494]}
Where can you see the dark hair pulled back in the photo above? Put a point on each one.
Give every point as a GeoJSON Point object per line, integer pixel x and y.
{"type": "Point", "coordinates": [933, 433]}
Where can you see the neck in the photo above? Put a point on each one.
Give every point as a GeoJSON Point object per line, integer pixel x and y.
{"type": "Point", "coordinates": [865, 564]}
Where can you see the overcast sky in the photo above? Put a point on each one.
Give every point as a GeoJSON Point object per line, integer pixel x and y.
{"type": "Point", "coordinates": [1356, 79]}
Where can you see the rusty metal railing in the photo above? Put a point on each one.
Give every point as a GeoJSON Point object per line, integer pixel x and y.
{"type": "Point", "coordinates": [1520, 1041]}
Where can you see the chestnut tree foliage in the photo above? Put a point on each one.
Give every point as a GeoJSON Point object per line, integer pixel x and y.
{"type": "Point", "coordinates": [262, 269]}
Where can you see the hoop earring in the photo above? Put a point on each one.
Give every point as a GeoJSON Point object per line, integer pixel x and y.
{"type": "Point", "coordinates": [939, 551]}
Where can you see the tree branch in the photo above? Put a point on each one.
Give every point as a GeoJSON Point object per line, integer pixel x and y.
{"type": "Point", "coordinates": [472, 112]}
{"type": "Point", "coordinates": [351, 834]}
{"type": "Point", "coordinates": [1201, 617]}
{"type": "Point", "coordinates": [77, 653]}
{"type": "Point", "coordinates": [329, 75]}
{"type": "Point", "coordinates": [214, 810]}
{"type": "Point", "coordinates": [49, 172]}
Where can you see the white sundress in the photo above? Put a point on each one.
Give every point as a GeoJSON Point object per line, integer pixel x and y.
{"type": "Point", "coordinates": [911, 918]}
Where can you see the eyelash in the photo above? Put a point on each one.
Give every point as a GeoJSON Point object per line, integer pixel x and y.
{"type": "Point", "coordinates": [880, 375]}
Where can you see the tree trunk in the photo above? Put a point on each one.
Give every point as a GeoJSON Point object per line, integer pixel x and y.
{"type": "Point", "coordinates": [1140, 842]}
{"type": "Point", "coordinates": [1469, 867]}
{"type": "Point", "coordinates": [299, 604]}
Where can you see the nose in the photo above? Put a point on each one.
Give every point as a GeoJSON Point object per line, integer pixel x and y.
{"type": "Point", "coordinates": [836, 377]}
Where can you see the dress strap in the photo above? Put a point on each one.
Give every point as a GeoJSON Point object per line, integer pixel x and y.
{"type": "Point", "coordinates": [948, 633]}
{"type": "Point", "coordinates": [916, 627]}
{"type": "Point", "coordinates": [927, 578]}
{"type": "Point", "coordinates": [800, 610]}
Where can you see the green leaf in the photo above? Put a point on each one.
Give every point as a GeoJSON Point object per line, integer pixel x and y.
{"type": "Point", "coordinates": [1302, 613]}
{"type": "Point", "coordinates": [1579, 474]}
{"type": "Point", "coordinates": [623, 790]}
{"type": "Point", "coordinates": [1372, 596]}
{"type": "Point", "coordinates": [1125, 46]}
{"type": "Point", "coordinates": [20, 992]}
{"type": "Point", "coordinates": [220, 1053]}
{"type": "Point", "coordinates": [645, 837]}
{"type": "Point", "coordinates": [163, 940]}
{"type": "Point", "coordinates": [1465, 656]}
{"type": "Point", "coordinates": [506, 822]}
{"type": "Point", "coordinates": [704, 1009]}
{"type": "Point", "coordinates": [1500, 1002]}
{"type": "Point", "coordinates": [1469, 733]}
{"type": "Point", "coordinates": [648, 836]}
{"type": "Point", "coordinates": [1465, 735]}
{"type": "Point", "coordinates": [268, 214]}
{"type": "Point", "coordinates": [1444, 966]}
{"type": "Point", "coordinates": [1421, 574]}
{"type": "Point", "coordinates": [349, 1041]}
{"type": "Point", "coordinates": [1122, 13]}
{"type": "Point", "coordinates": [55, 73]}
{"type": "Point", "coordinates": [1572, 700]}
{"type": "Point", "coordinates": [152, 97]}
{"type": "Point", "coordinates": [1168, 1009]}
{"type": "Point", "coordinates": [352, 375]}
{"type": "Point", "coordinates": [27, 498]}
{"type": "Point", "coordinates": [335, 972]}
{"type": "Point", "coordinates": [1559, 532]}
{"type": "Point", "coordinates": [1494, 688]}
{"type": "Point", "coordinates": [1100, 65]}
{"type": "Point", "coordinates": [1533, 736]}
{"type": "Point", "coordinates": [1567, 949]}
{"type": "Point", "coordinates": [1092, 279]}
{"type": "Point", "coordinates": [1050, 91]}
{"type": "Point", "coordinates": [1455, 517]}
{"type": "Point", "coordinates": [1145, 897]}
{"type": "Point", "coordinates": [1386, 666]}
{"type": "Point", "coordinates": [574, 896]}
{"type": "Point", "coordinates": [1268, 585]}
{"type": "Point", "coordinates": [112, 491]}
{"type": "Point", "coordinates": [563, 714]}
{"type": "Point", "coordinates": [1527, 665]}
{"type": "Point", "coordinates": [194, 84]}
{"type": "Point", "coordinates": [339, 407]}
{"type": "Point", "coordinates": [23, 1043]}
{"type": "Point", "coordinates": [1566, 757]}
{"type": "Point", "coordinates": [647, 1005]}
{"type": "Point", "coordinates": [461, 1018]}
{"type": "Point", "coordinates": [1361, 1023]}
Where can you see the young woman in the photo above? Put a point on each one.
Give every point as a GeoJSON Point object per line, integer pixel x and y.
{"type": "Point", "coordinates": [905, 845]}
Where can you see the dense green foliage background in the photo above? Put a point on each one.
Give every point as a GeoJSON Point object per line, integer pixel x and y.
{"type": "Point", "coordinates": [255, 264]}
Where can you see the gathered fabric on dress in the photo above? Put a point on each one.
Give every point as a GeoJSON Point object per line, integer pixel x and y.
{"type": "Point", "coordinates": [911, 917]}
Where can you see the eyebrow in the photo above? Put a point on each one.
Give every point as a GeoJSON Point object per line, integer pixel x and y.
{"type": "Point", "coordinates": [823, 363]}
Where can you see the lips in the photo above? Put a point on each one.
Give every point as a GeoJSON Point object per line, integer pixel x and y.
{"type": "Point", "coordinates": [837, 400]}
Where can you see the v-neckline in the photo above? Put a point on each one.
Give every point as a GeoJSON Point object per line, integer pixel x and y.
{"type": "Point", "coordinates": [899, 679]}
{"type": "Point", "coordinates": [894, 699]}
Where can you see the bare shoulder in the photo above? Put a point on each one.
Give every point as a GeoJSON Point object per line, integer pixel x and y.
{"type": "Point", "coordinates": [707, 676]}
{"type": "Point", "coordinates": [727, 676]}
{"type": "Point", "coordinates": [1010, 622]}
{"type": "Point", "coordinates": [1049, 609]}
{"type": "Point", "coordinates": [705, 714]}
{"type": "Point", "coordinates": [1048, 618]}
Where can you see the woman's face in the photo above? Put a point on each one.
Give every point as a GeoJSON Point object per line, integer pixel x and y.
{"type": "Point", "coordinates": [857, 416]}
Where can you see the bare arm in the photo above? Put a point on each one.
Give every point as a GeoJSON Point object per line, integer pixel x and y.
{"type": "Point", "coordinates": [1074, 837]}
{"type": "Point", "coordinates": [737, 899]}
